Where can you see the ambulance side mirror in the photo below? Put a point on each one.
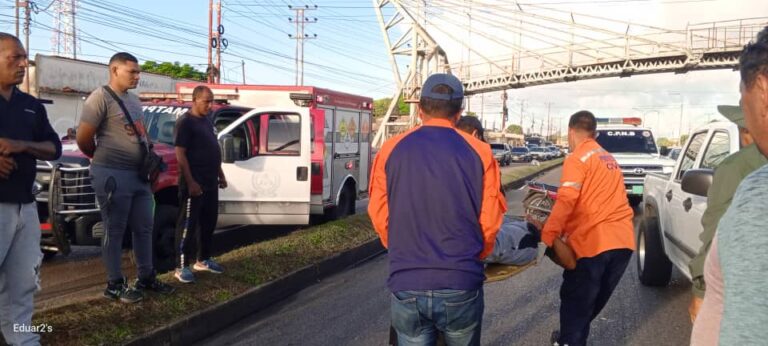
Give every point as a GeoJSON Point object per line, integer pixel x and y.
{"type": "Point", "coordinates": [228, 150]}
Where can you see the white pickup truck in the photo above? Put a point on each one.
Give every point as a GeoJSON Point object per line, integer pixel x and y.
{"type": "Point", "coordinates": [674, 203]}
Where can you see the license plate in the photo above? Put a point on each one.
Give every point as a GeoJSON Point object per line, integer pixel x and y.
{"type": "Point", "coordinates": [637, 190]}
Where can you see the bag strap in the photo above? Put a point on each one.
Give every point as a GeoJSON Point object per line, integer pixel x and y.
{"type": "Point", "coordinates": [120, 103]}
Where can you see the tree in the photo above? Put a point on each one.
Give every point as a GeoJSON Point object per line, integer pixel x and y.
{"type": "Point", "coordinates": [683, 139]}
{"type": "Point", "coordinates": [471, 114]}
{"type": "Point", "coordinates": [175, 70]}
{"type": "Point", "coordinates": [514, 129]}
{"type": "Point", "coordinates": [665, 142]}
{"type": "Point", "coordinates": [380, 107]}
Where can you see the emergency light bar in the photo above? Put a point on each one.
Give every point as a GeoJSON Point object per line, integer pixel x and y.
{"type": "Point", "coordinates": [619, 121]}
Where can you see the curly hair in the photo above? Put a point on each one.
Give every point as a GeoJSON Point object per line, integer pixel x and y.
{"type": "Point", "coordinates": [754, 58]}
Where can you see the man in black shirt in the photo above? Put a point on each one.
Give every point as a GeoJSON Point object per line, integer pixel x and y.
{"type": "Point", "coordinates": [199, 158]}
{"type": "Point", "coordinates": [25, 135]}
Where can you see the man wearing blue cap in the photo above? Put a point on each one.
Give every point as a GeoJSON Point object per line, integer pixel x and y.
{"type": "Point", "coordinates": [435, 202]}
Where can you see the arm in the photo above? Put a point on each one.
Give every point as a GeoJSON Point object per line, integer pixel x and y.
{"type": "Point", "coordinates": [86, 138]}
{"type": "Point", "coordinates": [494, 206]}
{"type": "Point", "coordinates": [192, 185]}
{"type": "Point", "coordinates": [94, 112]}
{"type": "Point", "coordinates": [567, 195]}
{"type": "Point", "coordinates": [378, 208]}
{"type": "Point", "coordinates": [39, 150]}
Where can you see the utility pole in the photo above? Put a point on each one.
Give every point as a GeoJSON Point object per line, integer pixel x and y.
{"type": "Point", "coordinates": [504, 111]}
{"type": "Point", "coordinates": [219, 41]}
{"type": "Point", "coordinates": [74, 30]}
{"type": "Point", "coordinates": [25, 3]}
{"type": "Point", "coordinates": [17, 18]}
{"type": "Point", "coordinates": [522, 106]}
{"type": "Point", "coordinates": [482, 110]}
{"type": "Point", "coordinates": [210, 42]}
{"type": "Point", "coordinates": [242, 63]}
{"type": "Point", "coordinates": [300, 37]}
{"type": "Point", "coordinates": [549, 121]}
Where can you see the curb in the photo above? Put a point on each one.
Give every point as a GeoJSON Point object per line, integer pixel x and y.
{"type": "Point", "coordinates": [516, 184]}
{"type": "Point", "coordinates": [220, 316]}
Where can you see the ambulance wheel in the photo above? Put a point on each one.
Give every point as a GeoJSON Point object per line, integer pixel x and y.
{"type": "Point", "coordinates": [164, 234]}
{"type": "Point", "coordinates": [653, 266]}
{"type": "Point", "coordinates": [346, 205]}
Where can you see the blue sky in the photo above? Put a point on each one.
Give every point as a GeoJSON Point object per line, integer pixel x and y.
{"type": "Point", "coordinates": [349, 53]}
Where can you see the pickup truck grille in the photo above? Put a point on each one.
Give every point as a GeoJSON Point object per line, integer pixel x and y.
{"type": "Point", "coordinates": [73, 191]}
{"type": "Point", "coordinates": [639, 171]}
{"type": "Point", "coordinates": [43, 179]}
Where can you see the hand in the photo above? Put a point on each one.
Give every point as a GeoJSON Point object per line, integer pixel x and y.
{"type": "Point", "coordinates": [194, 189]}
{"type": "Point", "coordinates": [223, 183]}
{"type": "Point", "coordinates": [562, 254]}
{"type": "Point", "coordinates": [10, 146]}
{"type": "Point", "coordinates": [7, 166]}
{"type": "Point", "coordinates": [535, 222]}
{"type": "Point", "coordinates": [693, 309]}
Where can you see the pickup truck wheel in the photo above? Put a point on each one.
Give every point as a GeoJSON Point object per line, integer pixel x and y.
{"type": "Point", "coordinates": [653, 265]}
{"type": "Point", "coordinates": [164, 237]}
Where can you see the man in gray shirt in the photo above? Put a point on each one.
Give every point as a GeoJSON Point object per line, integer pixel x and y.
{"type": "Point", "coordinates": [106, 135]}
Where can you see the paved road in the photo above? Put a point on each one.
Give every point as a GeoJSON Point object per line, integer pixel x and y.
{"type": "Point", "coordinates": [352, 308]}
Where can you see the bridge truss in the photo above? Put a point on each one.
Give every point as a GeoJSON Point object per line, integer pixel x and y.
{"type": "Point", "coordinates": [541, 45]}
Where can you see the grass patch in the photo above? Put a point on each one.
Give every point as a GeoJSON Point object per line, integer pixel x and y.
{"type": "Point", "coordinates": [520, 172]}
{"type": "Point", "coordinates": [103, 322]}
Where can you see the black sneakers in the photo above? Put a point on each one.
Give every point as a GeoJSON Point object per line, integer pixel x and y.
{"type": "Point", "coordinates": [155, 285]}
{"type": "Point", "coordinates": [119, 290]}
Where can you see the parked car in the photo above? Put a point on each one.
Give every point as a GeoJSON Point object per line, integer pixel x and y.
{"type": "Point", "coordinates": [502, 153]}
{"type": "Point", "coordinates": [555, 151]}
{"type": "Point", "coordinates": [540, 153]}
{"type": "Point", "coordinates": [673, 153]}
{"type": "Point", "coordinates": [674, 203]}
{"type": "Point", "coordinates": [521, 154]}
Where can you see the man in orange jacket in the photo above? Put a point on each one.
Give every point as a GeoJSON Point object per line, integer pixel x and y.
{"type": "Point", "coordinates": [593, 218]}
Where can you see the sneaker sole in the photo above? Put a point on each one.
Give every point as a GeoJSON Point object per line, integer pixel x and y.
{"type": "Point", "coordinates": [131, 301]}
{"type": "Point", "coordinates": [182, 280]}
{"type": "Point", "coordinates": [207, 270]}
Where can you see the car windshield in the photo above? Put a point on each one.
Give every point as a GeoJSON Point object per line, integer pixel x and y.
{"type": "Point", "coordinates": [627, 141]}
{"type": "Point", "coordinates": [519, 150]}
{"type": "Point", "coordinates": [498, 146]}
{"type": "Point", "coordinates": [537, 150]}
{"type": "Point", "coordinates": [160, 121]}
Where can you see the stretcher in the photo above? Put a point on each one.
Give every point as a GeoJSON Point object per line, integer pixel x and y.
{"type": "Point", "coordinates": [537, 205]}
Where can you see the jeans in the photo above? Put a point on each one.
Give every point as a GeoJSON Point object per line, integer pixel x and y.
{"type": "Point", "coordinates": [417, 316]}
{"type": "Point", "coordinates": [130, 207]}
{"type": "Point", "coordinates": [586, 290]}
{"type": "Point", "coordinates": [20, 259]}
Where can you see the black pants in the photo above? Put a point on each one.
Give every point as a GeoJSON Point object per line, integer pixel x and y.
{"type": "Point", "coordinates": [586, 290]}
{"type": "Point", "coordinates": [195, 225]}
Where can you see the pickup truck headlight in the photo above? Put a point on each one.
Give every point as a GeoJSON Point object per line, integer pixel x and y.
{"type": "Point", "coordinates": [667, 169]}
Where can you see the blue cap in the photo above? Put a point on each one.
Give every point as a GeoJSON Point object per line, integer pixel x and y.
{"type": "Point", "coordinates": [442, 79]}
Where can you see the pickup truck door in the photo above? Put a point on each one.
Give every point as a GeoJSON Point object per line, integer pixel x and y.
{"type": "Point", "coordinates": [684, 222]}
{"type": "Point", "coordinates": [269, 180]}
